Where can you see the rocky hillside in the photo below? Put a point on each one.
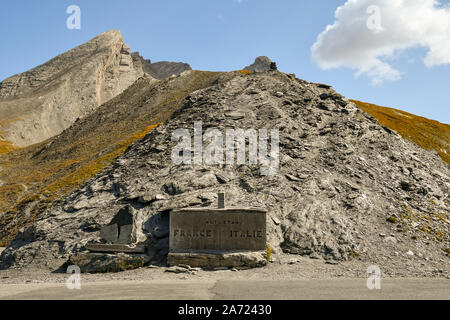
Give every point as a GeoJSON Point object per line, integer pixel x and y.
{"type": "Point", "coordinates": [428, 134]}
{"type": "Point", "coordinates": [347, 187]}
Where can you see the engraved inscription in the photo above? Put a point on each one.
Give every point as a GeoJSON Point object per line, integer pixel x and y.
{"type": "Point", "coordinates": [217, 229]}
{"type": "Point", "coordinates": [246, 234]}
{"type": "Point", "coordinates": [192, 234]}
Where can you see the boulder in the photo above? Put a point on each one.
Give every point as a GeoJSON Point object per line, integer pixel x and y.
{"type": "Point", "coordinates": [120, 229]}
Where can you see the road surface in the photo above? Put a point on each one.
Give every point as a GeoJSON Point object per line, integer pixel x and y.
{"type": "Point", "coordinates": [232, 290]}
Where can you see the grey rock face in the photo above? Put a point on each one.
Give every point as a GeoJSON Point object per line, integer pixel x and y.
{"type": "Point", "coordinates": [41, 103]}
{"type": "Point", "coordinates": [340, 178]}
{"type": "Point", "coordinates": [120, 229]}
{"type": "Point", "coordinates": [163, 69]}
{"type": "Point", "coordinates": [262, 64]}
{"type": "Point", "coordinates": [110, 233]}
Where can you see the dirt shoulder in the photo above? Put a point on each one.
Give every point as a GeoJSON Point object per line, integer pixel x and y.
{"type": "Point", "coordinates": [285, 267]}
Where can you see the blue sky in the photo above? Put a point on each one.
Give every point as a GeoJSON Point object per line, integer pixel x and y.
{"type": "Point", "coordinates": [227, 35]}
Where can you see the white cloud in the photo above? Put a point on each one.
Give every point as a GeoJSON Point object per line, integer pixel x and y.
{"type": "Point", "coordinates": [361, 41]}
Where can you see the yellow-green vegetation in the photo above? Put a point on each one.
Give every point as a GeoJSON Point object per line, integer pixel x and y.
{"type": "Point", "coordinates": [353, 254]}
{"type": "Point", "coordinates": [91, 168]}
{"type": "Point", "coordinates": [424, 225]}
{"type": "Point", "coordinates": [245, 72]}
{"type": "Point", "coordinates": [129, 265]}
{"type": "Point", "coordinates": [9, 193]}
{"type": "Point", "coordinates": [6, 146]}
{"type": "Point", "coordinates": [447, 251]}
{"type": "Point", "coordinates": [268, 253]}
{"type": "Point", "coordinates": [428, 134]}
{"type": "Point", "coordinates": [392, 219]}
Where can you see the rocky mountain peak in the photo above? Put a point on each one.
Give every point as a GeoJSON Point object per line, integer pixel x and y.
{"type": "Point", "coordinates": [110, 34]}
{"type": "Point", "coordinates": [33, 79]}
{"type": "Point", "coordinates": [262, 64]}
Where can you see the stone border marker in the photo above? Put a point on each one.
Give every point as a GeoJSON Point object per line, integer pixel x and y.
{"type": "Point", "coordinates": [211, 238]}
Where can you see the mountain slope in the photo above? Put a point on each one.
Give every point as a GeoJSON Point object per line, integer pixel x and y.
{"type": "Point", "coordinates": [429, 134]}
{"type": "Point", "coordinates": [347, 187]}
